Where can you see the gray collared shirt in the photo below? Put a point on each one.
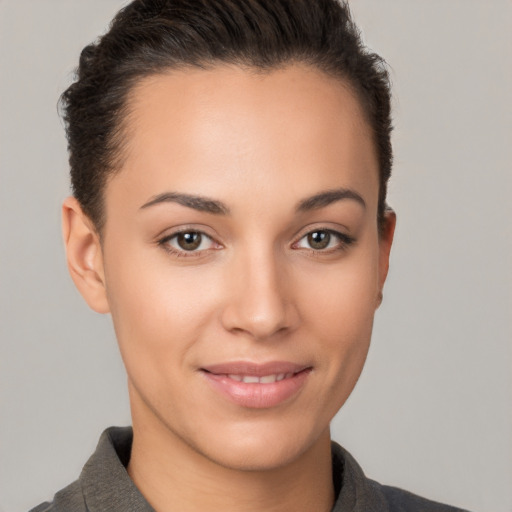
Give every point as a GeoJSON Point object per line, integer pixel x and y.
{"type": "Point", "coordinates": [104, 485]}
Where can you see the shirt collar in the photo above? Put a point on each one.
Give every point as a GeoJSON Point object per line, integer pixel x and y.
{"type": "Point", "coordinates": [105, 482]}
{"type": "Point", "coordinates": [358, 493]}
{"type": "Point", "coordinates": [106, 485]}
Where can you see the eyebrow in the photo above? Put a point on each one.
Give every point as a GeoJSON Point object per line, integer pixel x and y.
{"type": "Point", "coordinates": [205, 204]}
{"type": "Point", "coordinates": [328, 197]}
{"type": "Point", "coordinates": [202, 204]}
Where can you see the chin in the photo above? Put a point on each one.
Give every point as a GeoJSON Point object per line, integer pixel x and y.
{"type": "Point", "coordinates": [262, 450]}
{"type": "Point", "coordinates": [255, 459]}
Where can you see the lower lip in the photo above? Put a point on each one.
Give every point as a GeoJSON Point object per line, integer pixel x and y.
{"type": "Point", "coordinates": [257, 395]}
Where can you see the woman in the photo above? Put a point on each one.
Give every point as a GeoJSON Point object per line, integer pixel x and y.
{"type": "Point", "coordinates": [229, 163]}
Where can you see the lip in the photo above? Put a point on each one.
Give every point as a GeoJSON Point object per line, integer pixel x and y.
{"type": "Point", "coordinates": [257, 395]}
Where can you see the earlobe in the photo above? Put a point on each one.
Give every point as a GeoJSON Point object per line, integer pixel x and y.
{"type": "Point", "coordinates": [385, 243]}
{"type": "Point", "coordinates": [84, 255]}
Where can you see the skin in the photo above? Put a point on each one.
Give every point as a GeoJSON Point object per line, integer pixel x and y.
{"type": "Point", "coordinates": [255, 290]}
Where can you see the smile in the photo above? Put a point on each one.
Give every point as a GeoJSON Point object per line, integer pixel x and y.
{"type": "Point", "coordinates": [257, 386]}
{"type": "Point", "coordinates": [266, 379]}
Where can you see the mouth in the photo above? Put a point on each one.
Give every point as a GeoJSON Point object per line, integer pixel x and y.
{"type": "Point", "coordinates": [266, 379]}
{"type": "Point", "coordinates": [257, 386]}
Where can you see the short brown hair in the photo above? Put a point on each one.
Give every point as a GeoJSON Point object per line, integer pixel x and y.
{"type": "Point", "coordinates": [151, 36]}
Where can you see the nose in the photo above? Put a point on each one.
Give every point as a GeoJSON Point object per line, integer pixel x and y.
{"type": "Point", "coordinates": [261, 302]}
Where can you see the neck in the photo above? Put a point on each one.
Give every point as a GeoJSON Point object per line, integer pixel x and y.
{"type": "Point", "coordinates": [173, 476]}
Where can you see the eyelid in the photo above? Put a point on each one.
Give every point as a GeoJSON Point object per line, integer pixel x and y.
{"type": "Point", "coordinates": [184, 228]}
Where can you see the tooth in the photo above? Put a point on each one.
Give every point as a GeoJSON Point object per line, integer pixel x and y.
{"type": "Point", "coordinates": [235, 377]}
{"type": "Point", "coordinates": [267, 379]}
{"type": "Point", "coordinates": [288, 376]}
{"type": "Point", "coordinates": [280, 376]}
{"type": "Point", "coordinates": [249, 379]}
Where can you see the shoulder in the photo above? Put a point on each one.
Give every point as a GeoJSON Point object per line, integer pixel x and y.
{"type": "Point", "coordinates": [361, 494]}
{"type": "Point", "coordinates": [399, 500]}
{"type": "Point", "coordinates": [103, 483]}
{"type": "Point", "coordinates": [68, 499]}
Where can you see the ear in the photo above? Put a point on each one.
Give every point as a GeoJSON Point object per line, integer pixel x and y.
{"type": "Point", "coordinates": [385, 242]}
{"type": "Point", "coordinates": [84, 255]}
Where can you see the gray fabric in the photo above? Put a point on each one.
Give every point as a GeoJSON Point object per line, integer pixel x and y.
{"type": "Point", "coordinates": [104, 485]}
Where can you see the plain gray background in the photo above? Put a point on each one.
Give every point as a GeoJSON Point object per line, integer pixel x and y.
{"type": "Point", "coordinates": [433, 410]}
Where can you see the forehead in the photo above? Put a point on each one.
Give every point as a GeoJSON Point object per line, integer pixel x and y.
{"type": "Point", "coordinates": [209, 131]}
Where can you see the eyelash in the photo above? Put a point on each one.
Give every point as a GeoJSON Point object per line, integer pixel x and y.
{"type": "Point", "coordinates": [344, 242]}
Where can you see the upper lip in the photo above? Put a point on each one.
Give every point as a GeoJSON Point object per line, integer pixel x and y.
{"type": "Point", "coordinates": [255, 369]}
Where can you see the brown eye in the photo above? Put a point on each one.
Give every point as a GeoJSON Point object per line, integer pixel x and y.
{"type": "Point", "coordinates": [319, 239]}
{"type": "Point", "coordinates": [189, 241]}
{"type": "Point", "coordinates": [324, 240]}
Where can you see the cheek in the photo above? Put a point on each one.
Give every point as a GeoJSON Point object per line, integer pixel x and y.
{"type": "Point", "coordinates": [342, 299]}
{"type": "Point", "coordinates": [339, 308]}
{"type": "Point", "coordinates": [158, 311]}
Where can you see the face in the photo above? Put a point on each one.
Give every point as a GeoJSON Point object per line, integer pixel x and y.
{"type": "Point", "coordinates": [241, 260]}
